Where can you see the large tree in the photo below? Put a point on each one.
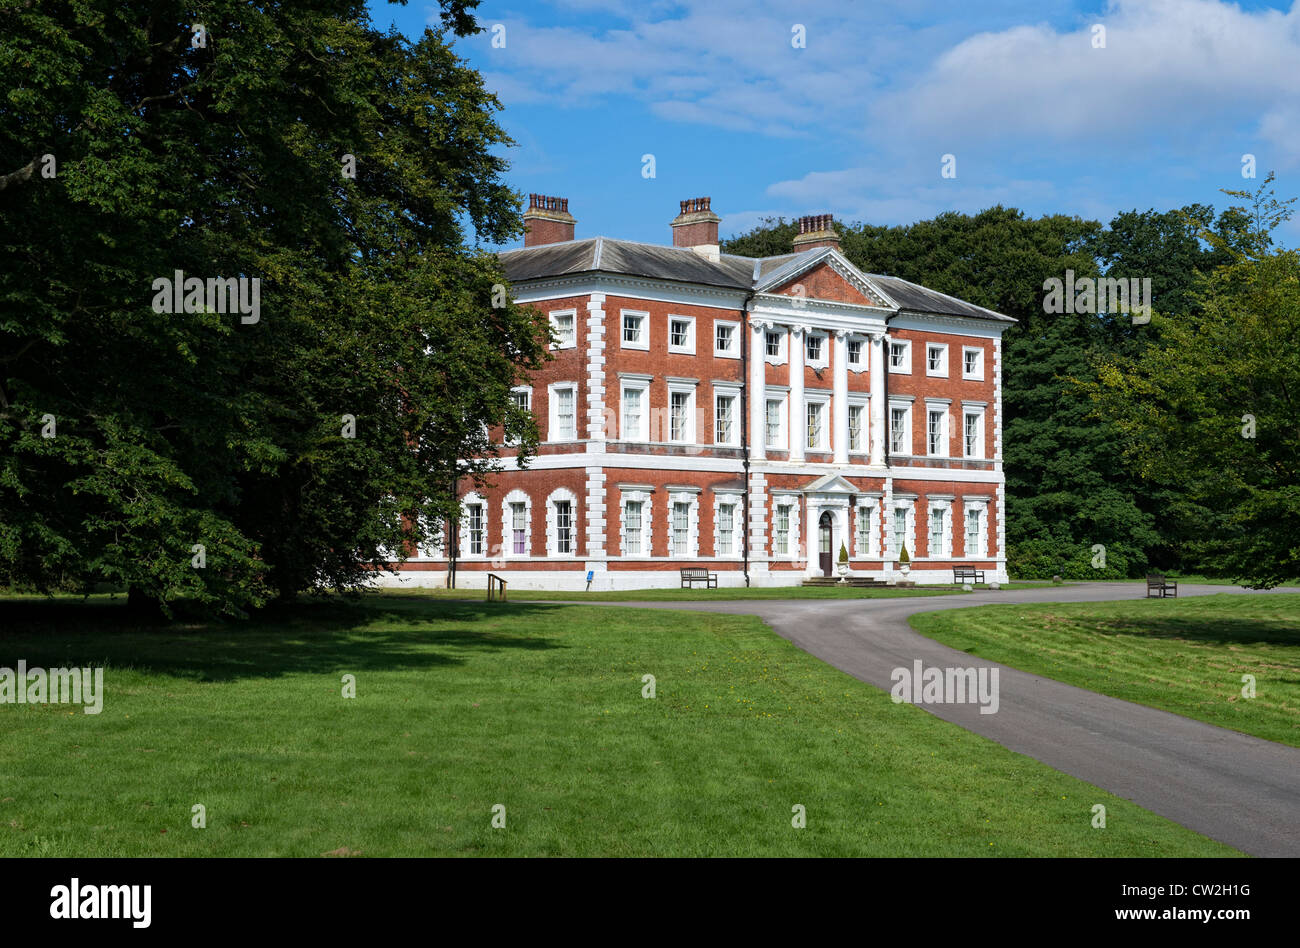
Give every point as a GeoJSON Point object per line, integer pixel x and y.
{"type": "Point", "coordinates": [1213, 407]}
{"type": "Point", "coordinates": [342, 167]}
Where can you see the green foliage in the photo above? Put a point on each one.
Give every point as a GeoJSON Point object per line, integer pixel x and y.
{"type": "Point", "coordinates": [903, 557]}
{"type": "Point", "coordinates": [1046, 558]}
{"type": "Point", "coordinates": [844, 553]}
{"type": "Point", "coordinates": [175, 430]}
{"type": "Point", "coordinates": [1211, 409]}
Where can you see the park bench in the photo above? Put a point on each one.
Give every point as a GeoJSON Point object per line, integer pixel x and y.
{"type": "Point", "coordinates": [967, 574]}
{"type": "Point", "coordinates": [698, 574]}
{"type": "Point", "coordinates": [1158, 586]}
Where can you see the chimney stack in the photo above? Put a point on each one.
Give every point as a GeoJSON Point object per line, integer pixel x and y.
{"type": "Point", "coordinates": [816, 230]}
{"type": "Point", "coordinates": [696, 225]}
{"type": "Point", "coordinates": [547, 220]}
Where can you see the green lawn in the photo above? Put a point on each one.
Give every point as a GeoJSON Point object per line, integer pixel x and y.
{"type": "Point", "coordinates": [462, 705]}
{"type": "Point", "coordinates": [705, 595]}
{"type": "Point", "coordinates": [1187, 656]}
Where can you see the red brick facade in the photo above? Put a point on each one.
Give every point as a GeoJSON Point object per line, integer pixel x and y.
{"type": "Point", "coordinates": [671, 436]}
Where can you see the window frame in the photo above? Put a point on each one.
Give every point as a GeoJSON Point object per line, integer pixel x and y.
{"type": "Point", "coordinates": [906, 367]}
{"type": "Point", "coordinates": [978, 374]}
{"type": "Point", "coordinates": [822, 403]}
{"type": "Point", "coordinates": [690, 434]}
{"type": "Point", "coordinates": [942, 371]}
{"type": "Point", "coordinates": [731, 394]}
{"type": "Point", "coordinates": [909, 445]}
{"type": "Point", "coordinates": [642, 386]}
{"type": "Point", "coordinates": [553, 316]}
{"type": "Point", "coordinates": [687, 347]}
{"type": "Point", "coordinates": [824, 357]}
{"type": "Point", "coordinates": [944, 435]}
{"type": "Point", "coordinates": [864, 427]}
{"type": "Point", "coordinates": [733, 352]}
{"type": "Point", "coordinates": [643, 320]}
{"type": "Point", "coordinates": [981, 452]}
{"type": "Point", "coordinates": [558, 496]}
{"type": "Point", "coordinates": [553, 411]}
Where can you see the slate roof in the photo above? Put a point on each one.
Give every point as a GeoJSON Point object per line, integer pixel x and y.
{"type": "Point", "coordinates": [683, 265]}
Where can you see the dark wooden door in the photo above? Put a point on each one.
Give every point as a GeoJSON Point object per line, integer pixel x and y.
{"type": "Point", "coordinates": [824, 543]}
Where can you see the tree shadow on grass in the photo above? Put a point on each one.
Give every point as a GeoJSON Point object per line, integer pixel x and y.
{"type": "Point", "coordinates": [326, 636]}
{"type": "Point", "coordinates": [1212, 630]}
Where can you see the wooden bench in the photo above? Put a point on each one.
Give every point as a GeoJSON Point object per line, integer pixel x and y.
{"type": "Point", "coordinates": [698, 574]}
{"type": "Point", "coordinates": [1159, 587]}
{"type": "Point", "coordinates": [967, 574]}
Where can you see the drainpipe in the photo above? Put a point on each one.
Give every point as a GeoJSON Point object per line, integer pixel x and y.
{"type": "Point", "coordinates": [744, 428]}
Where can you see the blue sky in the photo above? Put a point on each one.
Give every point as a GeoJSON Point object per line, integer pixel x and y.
{"type": "Point", "coordinates": [856, 123]}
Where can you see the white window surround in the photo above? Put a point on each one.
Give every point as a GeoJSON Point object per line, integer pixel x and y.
{"type": "Point", "coordinates": [906, 367]}
{"type": "Point", "coordinates": [687, 347]}
{"type": "Point", "coordinates": [569, 339]}
{"type": "Point", "coordinates": [682, 387]}
{"type": "Point", "coordinates": [553, 525]}
{"type": "Point", "coordinates": [527, 391]}
{"type": "Point", "coordinates": [507, 525]}
{"type": "Point", "coordinates": [641, 320]}
{"type": "Point", "coordinates": [553, 432]}
{"type": "Point", "coordinates": [783, 350]}
{"type": "Point", "coordinates": [967, 449]}
{"type": "Point", "coordinates": [906, 448]}
{"type": "Point", "coordinates": [472, 499]}
{"type": "Point", "coordinates": [731, 393]}
{"type": "Point", "coordinates": [977, 373]}
{"type": "Point", "coordinates": [943, 508]}
{"type": "Point", "coordinates": [783, 415]}
{"type": "Point", "coordinates": [938, 353]}
{"type": "Point", "coordinates": [861, 402]}
{"type": "Point", "coordinates": [733, 500]}
{"type": "Point", "coordinates": [732, 351]}
{"type": "Point", "coordinates": [795, 543]}
{"type": "Point", "coordinates": [823, 401]}
{"type": "Point", "coordinates": [634, 426]}
{"type": "Point", "coordinates": [692, 500]}
{"type": "Point", "coordinates": [980, 508]}
{"type": "Point", "coordinates": [867, 511]}
{"type": "Point", "coordinates": [864, 353]}
{"type": "Point", "coordinates": [908, 506]}
{"type": "Point", "coordinates": [940, 409]}
{"type": "Point", "coordinates": [647, 521]}
{"type": "Point", "coordinates": [823, 349]}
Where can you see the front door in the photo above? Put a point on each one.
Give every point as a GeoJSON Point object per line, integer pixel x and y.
{"type": "Point", "coordinates": [824, 542]}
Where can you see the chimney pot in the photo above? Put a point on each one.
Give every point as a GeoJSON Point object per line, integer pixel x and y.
{"type": "Point", "coordinates": [696, 225]}
{"type": "Point", "coordinates": [816, 230]}
{"type": "Point", "coordinates": [547, 220]}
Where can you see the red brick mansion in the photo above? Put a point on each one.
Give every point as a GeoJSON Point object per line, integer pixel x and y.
{"type": "Point", "coordinates": [749, 416]}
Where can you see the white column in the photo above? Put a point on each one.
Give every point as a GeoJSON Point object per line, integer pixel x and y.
{"type": "Point", "coordinates": [878, 406]}
{"type": "Point", "coordinates": [758, 391]}
{"type": "Point", "coordinates": [840, 402]}
{"type": "Point", "coordinates": [798, 425]}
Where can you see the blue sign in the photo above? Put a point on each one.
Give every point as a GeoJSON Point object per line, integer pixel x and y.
{"type": "Point", "coordinates": [590, 574]}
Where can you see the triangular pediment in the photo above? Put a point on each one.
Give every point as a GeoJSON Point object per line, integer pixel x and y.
{"type": "Point", "coordinates": [830, 484]}
{"type": "Point", "coordinates": [825, 274]}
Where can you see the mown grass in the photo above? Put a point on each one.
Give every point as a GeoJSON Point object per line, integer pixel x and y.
{"type": "Point", "coordinates": [725, 594]}
{"type": "Point", "coordinates": [461, 706]}
{"type": "Point", "coordinates": [1187, 656]}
